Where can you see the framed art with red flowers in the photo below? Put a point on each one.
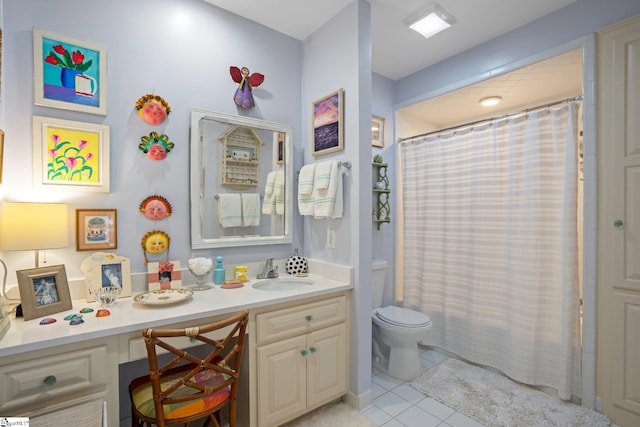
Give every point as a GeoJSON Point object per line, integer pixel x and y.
{"type": "Point", "coordinates": [70, 155]}
{"type": "Point", "coordinates": [68, 73]}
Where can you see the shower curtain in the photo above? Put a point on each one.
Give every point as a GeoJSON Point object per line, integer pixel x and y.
{"type": "Point", "coordinates": [490, 243]}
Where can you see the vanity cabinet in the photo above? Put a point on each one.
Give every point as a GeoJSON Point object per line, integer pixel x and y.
{"type": "Point", "coordinates": [59, 385]}
{"type": "Point", "coordinates": [301, 357]}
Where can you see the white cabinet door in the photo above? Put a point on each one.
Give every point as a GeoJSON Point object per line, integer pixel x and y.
{"type": "Point", "coordinates": [619, 222]}
{"type": "Point", "coordinates": [282, 380]}
{"type": "Point", "coordinates": [326, 364]}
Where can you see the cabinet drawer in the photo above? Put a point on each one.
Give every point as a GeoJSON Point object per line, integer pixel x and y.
{"type": "Point", "coordinates": [305, 318]}
{"type": "Point", "coordinates": [49, 378]}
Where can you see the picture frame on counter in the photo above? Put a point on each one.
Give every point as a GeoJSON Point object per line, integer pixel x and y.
{"type": "Point", "coordinates": [164, 275]}
{"type": "Point", "coordinates": [104, 269]}
{"type": "Point", "coordinates": [43, 291]}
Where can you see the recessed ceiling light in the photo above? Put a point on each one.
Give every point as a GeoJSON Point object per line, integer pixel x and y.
{"type": "Point", "coordinates": [490, 101]}
{"type": "Point", "coordinates": [430, 20]}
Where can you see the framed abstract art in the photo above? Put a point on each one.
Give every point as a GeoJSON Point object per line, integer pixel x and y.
{"type": "Point", "coordinates": [328, 123]}
{"type": "Point", "coordinates": [68, 73]}
{"type": "Point", "coordinates": [70, 155]}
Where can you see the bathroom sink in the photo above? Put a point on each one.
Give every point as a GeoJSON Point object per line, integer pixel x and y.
{"type": "Point", "coordinates": [282, 284]}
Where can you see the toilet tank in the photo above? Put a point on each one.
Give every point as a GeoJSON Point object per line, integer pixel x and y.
{"type": "Point", "coordinates": [379, 268]}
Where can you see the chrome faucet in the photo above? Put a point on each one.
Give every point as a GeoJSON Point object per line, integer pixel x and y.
{"type": "Point", "coordinates": [270, 271]}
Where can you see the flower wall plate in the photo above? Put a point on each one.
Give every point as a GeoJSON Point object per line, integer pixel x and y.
{"type": "Point", "coordinates": [163, 296]}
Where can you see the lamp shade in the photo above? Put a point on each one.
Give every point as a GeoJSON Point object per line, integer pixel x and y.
{"type": "Point", "coordinates": [34, 226]}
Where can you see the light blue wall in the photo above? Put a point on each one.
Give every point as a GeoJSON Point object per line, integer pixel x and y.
{"type": "Point", "coordinates": [493, 57]}
{"type": "Point", "coordinates": [180, 50]}
{"type": "Point", "coordinates": [383, 244]}
{"type": "Point", "coordinates": [336, 56]}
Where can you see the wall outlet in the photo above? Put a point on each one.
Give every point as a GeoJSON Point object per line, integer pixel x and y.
{"type": "Point", "coordinates": [331, 238]}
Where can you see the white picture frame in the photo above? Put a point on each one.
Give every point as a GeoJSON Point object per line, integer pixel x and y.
{"type": "Point", "coordinates": [103, 269]}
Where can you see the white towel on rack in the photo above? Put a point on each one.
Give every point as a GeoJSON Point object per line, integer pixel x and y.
{"type": "Point", "coordinates": [328, 202]}
{"type": "Point", "coordinates": [278, 191]}
{"type": "Point", "coordinates": [229, 210]}
{"type": "Point", "coordinates": [323, 175]}
{"type": "Point", "coordinates": [306, 181]}
{"type": "Point", "coordinates": [250, 209]}
{"type": "Point", "coordinates": [269, 202]}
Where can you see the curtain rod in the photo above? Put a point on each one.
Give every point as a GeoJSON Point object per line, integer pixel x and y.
{"type": "Point", "coordinates": [550, 104]}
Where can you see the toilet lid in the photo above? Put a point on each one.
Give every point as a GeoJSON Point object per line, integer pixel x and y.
{"type": "Point", "coordinates": [402, 317]}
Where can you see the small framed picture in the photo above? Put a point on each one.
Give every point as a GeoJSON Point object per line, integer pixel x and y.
{"type": "Point", "coordinates": [96, 229]}
{"type": "Point", "coordinates": [164, 275]}
{"type": "Point", "coordinates": [43, 291]}
{"type": "Point", "coordinates": [103, 269]}
{"type": "Point", "coordinates": [328, 123]}
{"type": "Point", "coordinates": [280, 136]}
{"type": "Point", "coordinates": [377, 131]}
{"type": "Point", "coordinates": [70, 155]}
{"type": "Point", "coordinates": [68, 73]}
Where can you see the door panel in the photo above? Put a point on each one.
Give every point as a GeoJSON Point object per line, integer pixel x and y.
{"type": "Point", "coordinates": [618, 356]}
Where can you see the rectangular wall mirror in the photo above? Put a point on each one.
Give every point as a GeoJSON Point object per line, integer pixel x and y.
{"type": "Point", "coordinates": [241, 181]}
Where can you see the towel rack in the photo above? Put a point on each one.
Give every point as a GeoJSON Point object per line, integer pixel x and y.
{"type": "Point", "coordinates": [217, 196]}
{"type": "Point", "coordinates": [346, 164]}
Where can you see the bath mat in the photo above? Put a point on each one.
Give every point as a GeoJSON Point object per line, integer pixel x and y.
{"type": "Point", "coordinates": [496, 401]}
{"type": "Point", "coordinates": [332, 415]}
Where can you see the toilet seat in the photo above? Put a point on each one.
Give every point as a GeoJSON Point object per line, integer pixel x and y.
{"type": "Point", "coordinates": [403, 317]}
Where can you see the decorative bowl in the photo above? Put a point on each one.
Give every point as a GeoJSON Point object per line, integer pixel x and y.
{"type": "Point", "coordinates": [106, 295]}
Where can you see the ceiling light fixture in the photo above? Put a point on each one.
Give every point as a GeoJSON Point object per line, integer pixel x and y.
{"type": "Point", "coordinates": [430, 20]}
{"type": "Point", "coordinates": [490, 101]}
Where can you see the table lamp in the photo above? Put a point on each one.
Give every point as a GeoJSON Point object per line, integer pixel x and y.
{"type": "Point", "coordinates": [33, 226]}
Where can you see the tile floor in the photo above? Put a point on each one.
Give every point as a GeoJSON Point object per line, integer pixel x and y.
{"type": "Point", "coordinates": [397, 404]}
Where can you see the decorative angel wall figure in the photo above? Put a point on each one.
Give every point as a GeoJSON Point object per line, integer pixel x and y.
{"type": "Point", "coordinates": [243, 96]}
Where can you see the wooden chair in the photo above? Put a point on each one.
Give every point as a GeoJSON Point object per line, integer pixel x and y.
{"type": "Point", "coordinates": [189, 388]}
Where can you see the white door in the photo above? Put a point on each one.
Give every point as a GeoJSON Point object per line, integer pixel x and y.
{"type": "Point", "coordinates": [618, 361]}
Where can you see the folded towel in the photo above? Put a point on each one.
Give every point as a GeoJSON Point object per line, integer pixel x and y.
{"type": "Point", "coordinates": [323, 175]}
{"type": "Point", "coordinates": [306, 179]}
{"type": "Point", "coordinates": [229, 210]}
{"type": "Point", "coordinates": [250, 209]}
{"type": "Point", "coordinates": [278, 191]}
{"type": "Point", "coordinates": [268, 187]}
{"type": "Point", "coordinates": [328, 203]}
{"type": "Point", "coordinates": [269, 201]}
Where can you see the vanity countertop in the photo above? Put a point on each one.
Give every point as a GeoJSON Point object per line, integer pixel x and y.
{"type": "Point", "coordinates": [128, 316]}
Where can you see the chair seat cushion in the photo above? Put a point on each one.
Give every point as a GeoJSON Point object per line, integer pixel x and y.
{"type": "Point", "coordinates": [142, 393]}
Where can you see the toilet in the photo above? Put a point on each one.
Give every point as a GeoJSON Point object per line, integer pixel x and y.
{"type": "Point", "coordinates": [396, 332]}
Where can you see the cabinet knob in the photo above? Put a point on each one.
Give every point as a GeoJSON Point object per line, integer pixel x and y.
{"type": "Point", "coordinates": [313, 350]}
{"type": "Point", "coordinates": [49, 381]}
{"type": "Point", "coordinates": [303, 353]}
{"type": "Point", "coordinates": [618, 224]}
{"type": "Point", "coordinates": [309, 317]}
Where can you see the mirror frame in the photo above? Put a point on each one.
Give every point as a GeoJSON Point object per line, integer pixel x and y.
{"type": "Point", "coordinates": [196, 181]}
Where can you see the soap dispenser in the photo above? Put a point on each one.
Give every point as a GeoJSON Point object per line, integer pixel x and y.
{"type": "Point", "coordinates": [218, 272]}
